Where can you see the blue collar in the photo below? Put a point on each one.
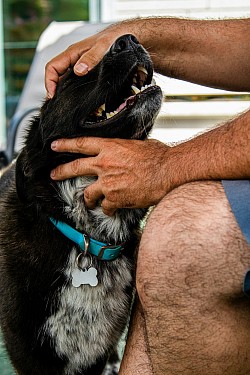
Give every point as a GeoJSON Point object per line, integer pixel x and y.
{"type": "Point", "coordinates": [101, 250]}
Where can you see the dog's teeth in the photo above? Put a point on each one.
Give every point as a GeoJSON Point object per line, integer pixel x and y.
{"type": "Point", "coordinates": [135, 89]}
{"type": "Point", "coordinates": [99, 111]}
{"type": "Point", "coordinates": [111, 114]}
{"type": "Point", "coordinates": [142, 69]}
{"type": "Point", "coordinates": [145, 87]}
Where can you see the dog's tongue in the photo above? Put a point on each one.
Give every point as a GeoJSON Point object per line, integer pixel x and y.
{"type": "Point", "coordinates": [101, 113]}
{"type": "Point", "coordinates": [121, 106]}
{"type": "Point", "coordinates": [130, 100]}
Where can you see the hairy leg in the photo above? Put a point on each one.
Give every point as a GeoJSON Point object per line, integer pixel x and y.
{"type": "Point", "coordinates": [136, 360]}
{"type": "Point", "coordinates": [191, 265]}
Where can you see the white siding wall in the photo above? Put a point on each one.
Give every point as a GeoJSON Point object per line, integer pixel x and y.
{"type": "Point", "coordinates": [121, 9]}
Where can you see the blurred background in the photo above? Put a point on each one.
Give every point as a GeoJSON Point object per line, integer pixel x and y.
{"type": "Point", "coordinates": [22, 22]}
{"type": "Point", "coordinates": [33, 31]}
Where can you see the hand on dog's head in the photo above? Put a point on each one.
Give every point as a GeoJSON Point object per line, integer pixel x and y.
{"type": "Point", "coordinates": [114, 100]}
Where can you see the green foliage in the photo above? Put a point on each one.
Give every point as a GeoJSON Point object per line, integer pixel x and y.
{"type": "Point", "coordinates": [24, 21]}
{"type": "Point", "coordinates": [74, 10]}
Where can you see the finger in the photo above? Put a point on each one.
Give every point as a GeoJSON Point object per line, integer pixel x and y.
{"type": "Point", "coordinates": [53, 70]}
{"type": "Point", "coordinates": [92, 194]}
{"type": "Point", "coordinates": [91, 57]}
{"type": "Point", "coordinates": [51, 81]}
{"type": "Point", "coordinates": [78, 167]}
{"type": "Point", "coordinates": [108, 208]}
{"type": "Point", "coordinates": [58, 66]}
{"type": "Point", "coordinates": [84, 145]}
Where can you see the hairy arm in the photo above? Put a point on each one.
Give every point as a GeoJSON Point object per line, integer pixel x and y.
{"type": "Point", "coordinates": [208, 52]}
{"type": "Point", "coordinates": [141, 173]}
{"type": "Point", "coordinates": [221, 153]}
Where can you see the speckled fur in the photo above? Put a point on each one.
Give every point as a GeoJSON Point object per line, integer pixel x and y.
{"type": "Point", "coordinates": [113, 229]}
{"type": "Point", "coordinates": [83, 336]}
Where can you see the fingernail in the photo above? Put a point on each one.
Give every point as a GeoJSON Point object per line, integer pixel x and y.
{"type": "Point", "coordinates": [52, 173]}
{"type": "Point", "coordinates": [49, 95]}
{"type": "Point", "coordinates": [81, 68]}
{"type": "Point", "coordinates": [54, 145]}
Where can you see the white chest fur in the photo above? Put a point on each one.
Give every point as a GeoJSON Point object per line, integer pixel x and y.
{"type": "Point", "coordinates": [87, 321]}
{"type": "Point", "coordinates": [94, 222]}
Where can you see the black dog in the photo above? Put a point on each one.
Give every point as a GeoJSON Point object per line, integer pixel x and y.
{"type": "Point", "coordinates": [66, 272]}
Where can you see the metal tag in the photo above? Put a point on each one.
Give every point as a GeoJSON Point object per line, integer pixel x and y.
{"type": "Point", "coordinates": [87, 276]}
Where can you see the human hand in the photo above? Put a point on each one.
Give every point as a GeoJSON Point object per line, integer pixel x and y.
{"type": "Point", "coordinates": [131, 173]}
{"type": "Point", "coordinates": [83, 56]}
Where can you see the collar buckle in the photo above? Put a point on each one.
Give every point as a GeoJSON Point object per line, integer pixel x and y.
{"type": "Point", "coordinates": [113, 254]}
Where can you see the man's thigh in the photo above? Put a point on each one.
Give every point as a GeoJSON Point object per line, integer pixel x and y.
{"type": "Point", "coordinates": [191, 265]}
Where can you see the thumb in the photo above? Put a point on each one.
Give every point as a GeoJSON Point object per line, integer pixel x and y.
{"type": "Point", "coordinates": [90, 59]}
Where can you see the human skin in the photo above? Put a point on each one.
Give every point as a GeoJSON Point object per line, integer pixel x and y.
{"type": "Point", "coordinates": [192, 318]}
{"type": "Point", "coordinates": [141, 173]}
{"type": "Point", "coordinates": [191, 315]}
{"type": "Point", "coordinates": [208, 52]}
{"type": "Point", "coordinates": [187, 49]}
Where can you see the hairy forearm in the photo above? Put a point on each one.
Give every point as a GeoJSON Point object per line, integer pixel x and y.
{"type": "Point", "coordinates": [221, 153]}
{"type": "Point", "coordinates": [134, 173]}
{"type": "Point", "coordinates": [215, 53]}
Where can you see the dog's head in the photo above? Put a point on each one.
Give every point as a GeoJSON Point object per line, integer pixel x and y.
{"type": "Point", "coordinates": [116, 99]}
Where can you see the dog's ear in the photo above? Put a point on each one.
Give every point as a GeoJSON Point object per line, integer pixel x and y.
{"type": "Point", "coordinates": [22, 176]}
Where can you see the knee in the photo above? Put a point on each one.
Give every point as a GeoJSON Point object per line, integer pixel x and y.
{"type": "Point", "coordinates": [179, 250]}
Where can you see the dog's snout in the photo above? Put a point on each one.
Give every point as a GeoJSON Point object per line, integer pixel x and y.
{"type": "Point", "coordinates": [124, 43]}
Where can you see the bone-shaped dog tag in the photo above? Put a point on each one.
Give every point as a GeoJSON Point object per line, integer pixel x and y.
{"type": "Point", "coordinates": [86, 277]}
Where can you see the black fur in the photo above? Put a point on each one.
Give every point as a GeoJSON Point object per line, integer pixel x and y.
{"type": "Point", "coordinates": [33, 253]}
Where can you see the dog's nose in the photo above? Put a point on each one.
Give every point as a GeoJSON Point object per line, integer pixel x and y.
{"type": "Point", "coordinates": [124, 43]}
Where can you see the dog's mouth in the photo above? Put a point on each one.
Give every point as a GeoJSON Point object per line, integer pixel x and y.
{"type": "Point", "coordinates": [116, 99]}
{"type": "Point", "coordinates": [138, 83]}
